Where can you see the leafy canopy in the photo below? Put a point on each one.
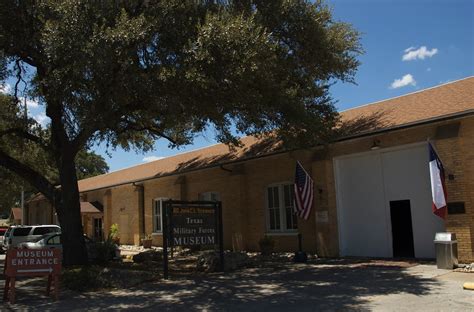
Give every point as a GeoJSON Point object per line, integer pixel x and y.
{"type": "Point", "coordinates": [129, 72]}
{"type": "Point", "coordinates": [88, 163]}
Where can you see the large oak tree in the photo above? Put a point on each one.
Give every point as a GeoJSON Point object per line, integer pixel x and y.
{"type": "Point", "coordinates": [88, 163]}
{"type": "Point", "coordinates": [132, 72]}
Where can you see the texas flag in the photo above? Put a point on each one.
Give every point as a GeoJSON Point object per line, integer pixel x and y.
{"type": "Point", "coordinates": [438, 187]}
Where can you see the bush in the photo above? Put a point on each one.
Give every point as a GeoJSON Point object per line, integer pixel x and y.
{"type": "Point", "coordinates": [267, 244]}
{"type": "Point", "coordinates": [114, 233]}
{"type": "Point", "coordinates": [84, 278]}
{"type": "Point", "coordinates": [148, 256]}
{"type": "Point", "coordinates": [102, 252]}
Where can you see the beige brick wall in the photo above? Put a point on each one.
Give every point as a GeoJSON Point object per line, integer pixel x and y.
{"type": "Point", "coordinates": [243, 192]}
{"type": "Point", "coordinates": [124, 212]}
{"type": "Point", "coordinates": [457, 155]}
{"type": "Point", "coordinates": [260, 174]}
{"type": "Point", "coordinates": [459, 160]}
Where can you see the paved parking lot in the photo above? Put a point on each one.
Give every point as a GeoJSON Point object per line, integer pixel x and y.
{"type": "Point", "coordinates": [326, 285]}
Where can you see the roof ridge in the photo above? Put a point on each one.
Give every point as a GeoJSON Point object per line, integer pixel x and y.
{"type": "Point", "coordinates": [407, 94]}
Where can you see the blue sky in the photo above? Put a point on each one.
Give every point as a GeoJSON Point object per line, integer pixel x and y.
{"type": "Point", "coordinates": [389, 28]}
{"type": "Point", "coordinates": [409, 46]}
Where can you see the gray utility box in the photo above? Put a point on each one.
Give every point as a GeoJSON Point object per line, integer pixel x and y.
{"type": "Point", "coordinates": [446, 247]}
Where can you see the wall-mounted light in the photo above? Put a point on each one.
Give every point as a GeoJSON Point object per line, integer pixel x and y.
{"type": "Point", "coordinates": [375, 145]}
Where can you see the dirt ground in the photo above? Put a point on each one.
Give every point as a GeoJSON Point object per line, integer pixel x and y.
{"type": "Point", "coordinates": [322, 285]}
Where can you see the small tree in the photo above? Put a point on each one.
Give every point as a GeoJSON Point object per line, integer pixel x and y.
{"type": "Point", "coordinates": [132, 72]}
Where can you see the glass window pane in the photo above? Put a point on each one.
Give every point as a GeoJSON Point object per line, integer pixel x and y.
{"type": "Point", "coordinates": [23, 231]}
{"type": "Point", "coordinates": [273, 208]}
{"type": "Point", "coordinates": [276, 198]}
{"type": "Point", "coordinates": [287, 195]}
{"type": "Point", "coordinates": [277, 219]}
{"type": "Point", "coordinates": [157, 216]}
{"type": "Point", "coordinates": [289, 207]}
{"type": "Point", "coordinates": [272, 219]}
{"type": "Point", "coordinates": [270, 197]}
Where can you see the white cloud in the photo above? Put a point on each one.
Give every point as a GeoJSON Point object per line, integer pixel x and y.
{"type": "Point", "coordinates": [428, 69]}
{"type": "Point", "coordinates": [404, 81]}
{"type": "Point", "coordinates": [152, 158]}
{"type": "Point", "coordinates": [5, 88]}
{"type": "Point", "coordinates": [420, 53]}
{"type": "Point", "coordinates": [42, 119]}
{"type": "Point", "coordinates": [31, 103]}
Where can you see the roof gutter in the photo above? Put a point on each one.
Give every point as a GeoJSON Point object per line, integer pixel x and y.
{"type": "Point", "coordinates": [459, 115]}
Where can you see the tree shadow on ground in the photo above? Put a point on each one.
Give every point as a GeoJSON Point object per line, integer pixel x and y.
{"type": "Point", "coordinates": [328, 285]}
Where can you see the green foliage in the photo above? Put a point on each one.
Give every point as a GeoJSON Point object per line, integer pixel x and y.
{"type": "Point", "coordinates": [88, 163]}
{"type": "Point", "coordinates": [103, 252]}
{"type": "Point", "coordinates": [84, 278]}
{"type": "Point", "coordinates": [267, 245]}
{"type": "Point", "coordinates": [130, 72]}
{"type": "Point", "coordinates": [114, 231]}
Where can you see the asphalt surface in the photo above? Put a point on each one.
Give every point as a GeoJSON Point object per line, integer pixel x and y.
{"type": "Point", "coordinates": [327, 285]}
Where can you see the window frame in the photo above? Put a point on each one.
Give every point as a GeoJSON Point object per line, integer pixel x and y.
{"type": "Point", "coordinates": [153, 215]}
{"type": "Point", "coordinates": [281, 208]}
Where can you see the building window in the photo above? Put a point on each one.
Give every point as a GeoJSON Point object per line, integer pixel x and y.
{"type": "Point", "coordinates": [158, 215]}
{"type": "Point", "coordinates": [210, 196]}
{"type": "Point", "coordinates": [280, 208]}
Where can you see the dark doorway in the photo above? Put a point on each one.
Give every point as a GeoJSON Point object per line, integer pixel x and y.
{"type": "Point", "coordinates": [402, 230]}
{"type": "Point", "coordinates": [98, 231]}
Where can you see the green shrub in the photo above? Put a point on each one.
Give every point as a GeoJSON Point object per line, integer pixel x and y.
{"type": "Point", "coordinates": [102, 252]}
{"type": "Point", "coordinates": [267, 244]}
{"type": "Point", "coordinates": [84, 278]}
{"type": "Point", "coordinates": [114, 231]}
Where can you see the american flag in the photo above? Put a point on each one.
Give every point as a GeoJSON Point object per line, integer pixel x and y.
{"type": "Point", "coordinates": [303, 192]}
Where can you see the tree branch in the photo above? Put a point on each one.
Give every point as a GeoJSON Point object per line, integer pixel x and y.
{"type": "Point", "coordinates": [151, 129]}
{"type": "Point", "coordinates": [26, 135]}
{"type": "Point", "coordinates": [28, 174]}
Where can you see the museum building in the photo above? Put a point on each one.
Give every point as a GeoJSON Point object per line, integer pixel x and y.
{"type": "Point", "coordinates": [370, 184]}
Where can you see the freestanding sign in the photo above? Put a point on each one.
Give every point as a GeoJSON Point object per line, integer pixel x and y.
{"type": "Point", "coordinates": [31, 262]}
{"type": "Point", "coordinates": [192, 223]}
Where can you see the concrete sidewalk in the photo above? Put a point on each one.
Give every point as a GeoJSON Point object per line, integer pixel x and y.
{"type": "Point", "coordinates": [325, 285]}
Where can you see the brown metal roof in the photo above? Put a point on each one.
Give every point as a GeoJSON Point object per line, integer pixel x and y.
{"type": "Point", "coordinates": [439, 101]}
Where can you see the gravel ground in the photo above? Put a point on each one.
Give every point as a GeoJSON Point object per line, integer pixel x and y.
{"type": "Point", "coordinates": [322, 285]}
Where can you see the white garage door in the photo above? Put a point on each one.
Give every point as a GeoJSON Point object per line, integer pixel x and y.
{"type": "Point", "coordinates": [372, 189]}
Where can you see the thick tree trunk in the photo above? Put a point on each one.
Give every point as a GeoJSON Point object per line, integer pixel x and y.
{"type": "Point", "coordinates": [69, 214]}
